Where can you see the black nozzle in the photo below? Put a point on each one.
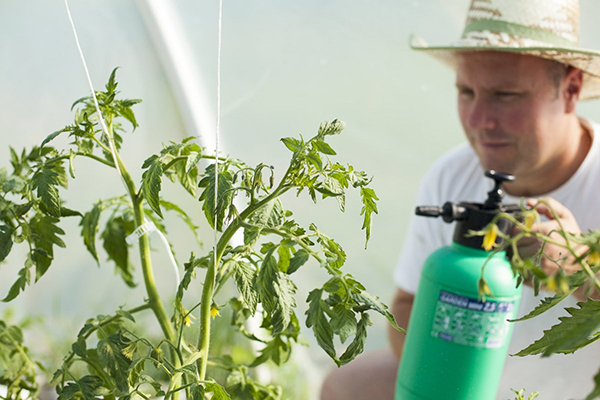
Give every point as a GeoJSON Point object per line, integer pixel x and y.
{"type": "Point", "coordinates": [494, 200]}
{"type": "Point", "coordinates": [449, 212]}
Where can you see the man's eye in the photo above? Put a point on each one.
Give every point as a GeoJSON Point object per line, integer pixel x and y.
{"type": "Point", "coordinates": [507, 95]}
{"type": "Point", "coordinates": [465, 93]}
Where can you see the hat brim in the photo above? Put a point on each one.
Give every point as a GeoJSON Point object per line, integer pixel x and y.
{"type": "Point", "coordinates": [586, 60]}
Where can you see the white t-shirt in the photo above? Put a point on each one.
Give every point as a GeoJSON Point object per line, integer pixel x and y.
{"type": "Point", "coordinates": [458, 176]}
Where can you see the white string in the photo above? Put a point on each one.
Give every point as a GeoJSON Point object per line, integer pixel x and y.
{"type": "Point", "coordinates": [218, 128]}
{"type": "Point", "coordinates": [87, 74]}
{"type": "Point", "coordinates": [113, 151]}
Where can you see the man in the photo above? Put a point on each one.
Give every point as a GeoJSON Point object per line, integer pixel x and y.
{"type": "Point", "coordinates": [519, 77]}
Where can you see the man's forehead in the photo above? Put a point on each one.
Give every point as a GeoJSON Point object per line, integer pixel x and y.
{"type": "Point", "coordinates": [499, 68]}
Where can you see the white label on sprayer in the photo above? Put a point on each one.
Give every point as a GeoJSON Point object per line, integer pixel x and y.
{"type": "Point", "coordinates": [471, 322]}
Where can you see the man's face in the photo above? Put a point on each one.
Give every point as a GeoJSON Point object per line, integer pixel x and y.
{"type": "Point", "coordinates": [511, 111]}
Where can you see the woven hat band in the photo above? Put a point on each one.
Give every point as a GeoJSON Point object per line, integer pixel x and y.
{"type": "Point", "coordinates": [510, 28]}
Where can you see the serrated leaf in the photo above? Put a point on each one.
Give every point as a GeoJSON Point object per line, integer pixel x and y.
{"type": "Point", "coordinates": [44, 232]}
{"type": "Point", "coordinates": [52, 136]}
{"type": "Point", "coordinates": [245, 280]}
{"type": "Point", "coordinates": [111, 85]}
{"type": "Point", "coordinates": [18, 286]}
{"type": "Point", "coordinates": [370, 302]}
{"type": "Point", "coordinates": [46, 181]}
{"type": "Point", "coordinates": [218, 391]}
{"type": "Point", "coordinates": [151, 183]}
{"type": "Point", "coordinates": [343, 322]}
{"type": "Point", "coordinates": [89, 228]}
{"type": "Point", "coordinates": [224, 195]}
{"type": "Point", "coordinates": [110, 352]}
{"type": "Point", "coordinates": [184, 217]}
{"type": "Point", "coordinates": [298, 259]}
{"type": "Point", "coordinates": [5, 241]}
{"type": "Point", "coordinates": [545, 304]}
{"type": "Point", "coordinates": [369, 207]}
{"type": "Point", "coordinates": [292, 144]}
{"type": "Point", "coordinates": [313, 158]}
{"type": "Point", "coordinates": [276, 292]}
{"type": "Point", "coordinates": [80, 347]}
{"type": "Point", "coordinates": [317, 320]}
{"type": "Point", "coordinates": [88, 386]}
{"type": "Point", "coordinates": [192, 160]}
{"type": "Point", "coordinates": [358, 344]}
{"type": "Point", "coordinates": [595, 393]}
{"type": "Point", "coordinates": [571, 334]}
{"type": "Point", "coordinates": [115, 244]}
{"type": "Point", "coordinates": [323, 147]}
{"type": "Point", "coordinates": [269, 215]}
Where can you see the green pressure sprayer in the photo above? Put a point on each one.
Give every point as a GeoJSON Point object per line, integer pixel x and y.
{"type": "Point", "coordinates": [457, 342]}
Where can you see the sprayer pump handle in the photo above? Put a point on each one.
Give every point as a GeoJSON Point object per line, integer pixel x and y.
{"type": "Point", "coordinates": [494, 200]}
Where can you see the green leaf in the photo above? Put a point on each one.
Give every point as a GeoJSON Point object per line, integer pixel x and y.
{"type": "Point", "coordinates": [358, 344]}
{"type": "Point", "coordinates": [19, 285]}
{"type": "Point", "coordinates": [369, 207]}
{"type": "Point", "coordinates": [317, 320]}
{"type": "Point", "coordinates": [546, 304]}
{"type": "Point", "coordinates": [294, 145]}
{"type": "Point", "coordinates": [44, 232]}
{"type": "Point", "coordinates": [111, 354]}
{"type": "Point", "coordinates": [343, 321]}
{"type": "Point", "coordinates": [276, 350]}
{"type": "Point", "coordinates": [245, 279]}
{"type": "Point", "coordinates": [89, 228]}
{"type": "Point", "coordinates": [111, 85]}
{"type": "Point", "coordinates": [269, 215]}
{"type": "Point", "coordinates": [5, 241]}
{"type": "Point", "coordinates": [571, 334]}
{"type": "Point", "coordinates": [370, 302]}
{"type": "Point", "coordinates": [224, 196]}
{"type": "Point", "coordinates": [151, 183]}
{"type": "Point", "coordinates": [52, 136]}
{"type": "Point", "coordinates": [314, 158]}
{"type": "Point", "coordinates": [46, 181]}
{"type": "Point", "coordinates": [299, 259]}
{"type": "Point", "coordinates": [276, 292]}
{"type": "Point", "coordinates": [323, 147]}
{"type": "Point", "coordinates": [89, 386]}
{"type": "Point", "coordinates": [183, 216]}
{"type": "Point", "coordinates": [596, 391]}
{"type": "Point", "coordinates": [80, 347]}
{"type": "Point", "coordinates": [193, 159]}
{"type": "Point", "coordinates": [114, 235]}
{"type": "Point", "coordinates": [198, 392]}
{"type": "Point", "coordinates": [218, 391]}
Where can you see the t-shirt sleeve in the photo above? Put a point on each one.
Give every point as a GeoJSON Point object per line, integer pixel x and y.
{"type": "Point", "coordinates": [424, 235]}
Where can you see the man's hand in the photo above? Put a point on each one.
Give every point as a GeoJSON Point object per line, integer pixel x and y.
{"type": "Point", "coordinates": [554, 254]}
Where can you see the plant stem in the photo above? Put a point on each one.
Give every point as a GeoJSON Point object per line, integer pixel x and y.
{"type": "Point", "coordinates": [209, 279]}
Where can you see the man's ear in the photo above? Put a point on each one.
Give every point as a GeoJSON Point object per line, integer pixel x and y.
{"type": "Point", "coordinates": [572, 86]}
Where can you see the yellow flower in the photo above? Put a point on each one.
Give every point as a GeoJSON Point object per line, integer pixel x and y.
{"type": "Point", "coordinates": [594, 258]}
{"type": "Point", "coordinates": [188, 321]}
{"type": "Point", "coordinates": [530, 217]}
{"type": "Point", "coordinates": [484, 289]}
{"type": "Point", "coordinates": [489, 240]}
{"type": "Point", "coordinates": [214, 311]}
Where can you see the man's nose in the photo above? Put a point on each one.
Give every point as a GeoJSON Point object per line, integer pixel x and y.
{"type": "Point", "coordinates": [481, 116]}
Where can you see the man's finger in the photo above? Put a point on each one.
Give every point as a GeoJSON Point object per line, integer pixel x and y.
{"type": "Point", "coordinates": [543, 209]}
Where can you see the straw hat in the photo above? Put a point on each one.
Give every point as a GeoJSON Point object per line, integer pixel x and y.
{"type": "Point", "coordinates": [543, 28]}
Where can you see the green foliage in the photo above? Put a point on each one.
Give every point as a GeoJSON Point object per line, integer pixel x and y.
{"type": "Point", "coordinates": [571, 334]}
{"type": "Point", "coordinates": [119, 362]}
{"type": "Point", "coordinates": [17, 370]}
{"type": "Point", "coordinates": [521, 396]}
